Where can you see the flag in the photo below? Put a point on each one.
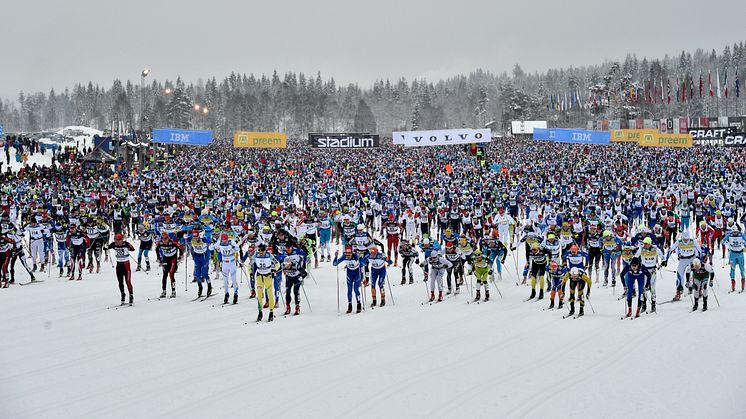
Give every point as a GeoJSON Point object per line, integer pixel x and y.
{"type": "Point", "coordinates": [700, 83]}
{"type": "Point", "coordinates": [551, 101]}
{"type": "Point", "coordinates": [677, 90]}
{"type": "Point", "coordinates": [709, 81]}
{"type": "Point", "coordinates": [663, 98]}
{"type": "Point", "coordinates": [725, 82]}
{"type": "Point", "coordinates": [647, 92]}
{"type": "Point", "coordinates": [691, 86]}
{"type": "Point", "coordinates": [738, 85]}
{"type": "Point", "coordinates": [668, 92]}
{"type": "Point", "coordinates": [717, 81]}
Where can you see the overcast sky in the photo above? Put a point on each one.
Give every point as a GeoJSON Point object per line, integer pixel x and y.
{"type": "Point", "coordinates": [55, 44]}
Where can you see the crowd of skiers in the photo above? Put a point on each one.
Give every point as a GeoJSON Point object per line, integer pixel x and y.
{"type": "Point", "coordinates": [581, 217]}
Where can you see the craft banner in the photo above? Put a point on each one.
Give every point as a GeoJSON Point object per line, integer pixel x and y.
{"type": "Point", "coordinates": [736, 140]}
{"type": "Point", "coordinates": [629, 135]}
{"type": "Point", "coordinates": [250, 139]}
{"type": "Point", "coordinates": [442, 137]}
{"type": "Point", "coordinates": [711, 136]}
{"type": "Point", "coordinates": [182, 137]}
{"type": "Point", "coordinates": [666, 140]}
{"type": "Point", "coordinates": [574, 136]}
{"type": "Point", "coordinates": [346, 140]}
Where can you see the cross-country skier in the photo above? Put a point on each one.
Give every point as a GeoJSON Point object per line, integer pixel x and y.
{"type": "Point", "coordinates": [122, 251]}
{"type": "Point", "coordinates": [353, 267]}
{"type": "Point", "coordinates": [228, 254]}
{"type": "Point", "coordinates": [169, 252]}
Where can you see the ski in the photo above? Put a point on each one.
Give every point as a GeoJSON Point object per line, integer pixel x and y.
{"type": "Point", "coordinates": [30, 282]}
{"type": "Point", "coordinates": [528, 299]}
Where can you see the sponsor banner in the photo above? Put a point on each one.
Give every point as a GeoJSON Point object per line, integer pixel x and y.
{"type": "Point", "coordinates": [526, 127]}
{"type": "Point", "coordinates": [345, 140]}
{"type": "Point", "coordinates": [444, 137]}
{"type": "Point", "coordinates": [575, 136]}
{"type": "Point", "coordinates": [1, 130]}
{"type": "Point", "coordinates": [683, 125]}
{"type": "Point", "coordinates": [629, 135]}
{"type": "Point", "coordinates": [251, 139]}
{"type": "Point", "coordinates": [736, 140]}
{"type": "Point", "coordinates": [666, 140]}
{"type": "Point", "coordinates": [711, 136]}
{"type": "Point", "coordinates": [181, 136]}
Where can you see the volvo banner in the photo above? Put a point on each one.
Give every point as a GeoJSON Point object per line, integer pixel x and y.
{"type": "Point", "coordinates": [343, 140]}
{"type": "Point", "coordinates": [181, 137]}
{"type": "Point", "coordinates": [442, 137]}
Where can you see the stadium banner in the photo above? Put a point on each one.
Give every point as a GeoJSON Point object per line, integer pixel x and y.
{"type": "Point", "coordinates": [666, 140]}
{"type": "Point", "coordinates": [711, 136]}
{"type": "Point", "coordinates": [629, 135]}
{"type": "Point", "coordinates": [443, 137]}
{"type": "Point", "coordinates": [735, 140]}
{"type": "Point", "coordinates": [252, 139]}
{"type": "Point", "coordinates": [182, 137]}
{"type": "Point", "coordinates": [343, 140]}
{"type": "Point", "coordinates": [526, 127]}
{"type": "Point", "coordinates": [575, 136]}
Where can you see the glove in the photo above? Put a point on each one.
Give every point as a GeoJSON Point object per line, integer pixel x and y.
{"type": "Point", "coordinates": [689, 285]}
{"type": "Point", "coordinates": [588, 294]}
{"type": "Point", "coordinates": [490, 272]}
{"type": "Point", "coordinates": [664, 264]}
{"type": "Point", "coordinates": [512, 248]}
{"type": "Point", "coordinates": [647, 287]}
{"type": "Point", "coordinates": [711, 282]}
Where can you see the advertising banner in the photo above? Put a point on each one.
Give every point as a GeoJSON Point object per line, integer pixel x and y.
{"type": "Point", "coordinates": [343, 140]}
{"type": "Point", "coordinates": [666, 140]}
{"type": "Point", "coordinates": [182, 137]}
{"type": "Point", "coordinates": [443, 137]}
{"type": "Point", "coordinates": [736, 140]}
{"type": "Point", "coordinates": [526, 127]}
{"type": "Point", "coordinates": [711, 136]}
{"type": "Point", "coordinates": [251, 139]}
{"type": "Point", "coordinates": [629, 135]}
{"type": "Point", "coordinates": [575, 136]}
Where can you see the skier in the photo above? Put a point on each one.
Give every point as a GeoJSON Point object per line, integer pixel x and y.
{"type": "Point", "coordinates": [6, 247]}
{"type": "Point", "coordinates": [538, 259]}
{"type": "Point", "coordinates": [438, 265]}
{"type": "Point", "coordinates": [146, 243]}
{"type": "Point", "coordinates": [482, 270]}
{"type": "Point", "coordinates": [294, 267]}
{"type": "Point", "coordinates": [227, 251]}
{"type": "Point", "coordinates": [578, 280]}
{"type": "Point", "coordinates": [686, 249]}
{"type": "Point", "coordinates": [169, 252]}
{"type": "Point", "coordinates": [122, 251]}
{"type": "Point", "coordinates": [377, 263]}
{"type": "Point", "coordinates": [264, 265]}
{"type": "Point", "coordinates": [353, 267]}
{"type": "Point", "coordinates": [200, 250]}
{"type": "Point", "coordinates": [555, 273]}
{"type": "Point", "coordinates": [735, 242]}
{"type": "Point", "coordinates": [632, 274]}
{"type": "Point", "coordinates": [409, 254]}
{"type": "Point", "coordinates": [702, 275]}
{"type": "Point", "coordinates": [649, 255]}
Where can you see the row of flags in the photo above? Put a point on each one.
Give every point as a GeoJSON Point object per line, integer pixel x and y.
{"type": "Point", "coordinates": [652, 92]}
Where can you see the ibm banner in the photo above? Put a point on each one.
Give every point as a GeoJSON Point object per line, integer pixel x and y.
{"type": "Point", "coordinates": [711, 136]}
{"type": "Point", "coordinates": [250, 139]}
{"type": "Point", "coordinates": [442, 137]}
{"type": "Point", "coordinates": [346, 140]}
{"type": "Point", "coordinates": [182, 137]}
{"type": "Point", "coordinates": [575, 136]}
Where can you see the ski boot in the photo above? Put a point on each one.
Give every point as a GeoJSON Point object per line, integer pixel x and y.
{"type": "Point", "coordinates": [458, 289]}
{"type": "Point", "coordinates": [123, 297]}
{"type": "Point", "coordinates": [271, 316]}
{"type": "Point", "coordinates": [259, 317]}
{"type": "Point", "coordinates": [440, 296]}
{"type": "Point", "coordinates": [486, 295]}
{"type": "Point", "coordinates": [163, 294]}
{"type": "Point", "coordinates": [132, 299]}
{"type": "Point", "coordinates": [580, 312]}
{"type": "Point", "coordinates": [235, 298]}
{"type": "Point", "coordinates": [637, 314]}
{"type": "Point", "coordinates": [349, 308]}
{"type": "Point", "coordinates": [287, 307]}
{"type": "Point", "coordinates": [696, 304]}
{"type": "Point", "coordinates": [139, 268]}
{"type": "Point", "coordinates": [551, 304]}
{"type": "Point", "coordinates": [652, 307]}
{"type": "Point", "coordinates": [403, 280]}
{"type": "Point", "coordinates": [448, 292]}
{"type": "Point", "coordinates": [173, 293]}
{"type": "Point", "coordinates": [147, 266]}
{"type": "Point", "coordinates": [732, 285]}
{"type": "Point", "coordinates": [743, 284]}
{"type": "Point", "coordinates": [359, 307]}
{"type": "Point", "coordinates": [478, 296]}
{"type": "Point", "coordinates": [606, 282]}
{"type": "Point", "coordinates": [373, 297]}
{"type": "Point", "coordinates": [98, 268]}
{"type": "Point", "coordinates": [297, 310]}
{"type": "Point", "coordinates": [33, 269]}
{"type": "Point", "coordinates": [199, 290]}
{"type": "Point", "coordinates": [62, 272]}
{"type": "Point", "coordinates": [533, 294]}
{"type": "Point", "coordinates": [42, 268]}
{"type": "Point", "coordinates": [560, 304]}
{"type": "Point", "coordinates": [704, 304]}
{"type": "Point", "coordinates": [227, 296]}
{"type": "Point", "coordinates": [541, 294]}
{"type": "Point", "coordinates": [209, 290]}
{"type": "Point", "coordinates": [629, 312]}
{"type": "Point", "coordinates": [572, 309]}
{"type": "Point", "coordinates": [383, 300]}
{"type": "Point", "coordinates": [411, 279]}
{"type": "Point", "coordinates": [613, 283]}
{"type": "Point", "coordinates": [432, 296]}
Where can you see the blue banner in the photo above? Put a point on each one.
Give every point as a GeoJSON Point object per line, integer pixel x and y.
{"type": "Point", "coordinates": [575, 136]}
{"type": "Point", "coordinates": [182, 136]}
{"type": "Point", "coordinates": [1, 130]}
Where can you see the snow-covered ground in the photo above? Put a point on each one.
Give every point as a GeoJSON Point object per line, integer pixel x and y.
{"type": "Point", "coordinates": [81, 136]}
{"type": "Point", "coordinates": [65, 354]}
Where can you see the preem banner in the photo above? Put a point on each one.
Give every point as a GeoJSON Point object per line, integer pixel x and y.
{"type": "Point", "coordinates": [629, 135]}
{"type": "Point", "coordinates": [666, 140]}
{"type": "Point", "coordinates": [442, 137]}
{"type": "Point", "coordinates": [711, 136]}
{"type": "Point", "coordinates": [346, 140]}
{"type": "Point", "coordinates": [575, 136]}
{"type": "Point", "coordinates": [182, 137]}
{"type": "Point", "coordinates": [251, 139]}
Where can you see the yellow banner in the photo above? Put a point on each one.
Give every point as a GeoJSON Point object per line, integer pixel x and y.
{"type": "Point", "coordinates": [630, 135]}
{"type": "Point", "coordinates": [666, 140]}
{"type": "Point", "coordinates": [246, 139]}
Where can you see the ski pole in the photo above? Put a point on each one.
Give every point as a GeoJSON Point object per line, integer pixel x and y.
{"type": "Point", "coordinates": [338, 290]}
{"type": "Point", "coordinates": [390, 292]}
{"type": "Point", "coordinates": [590, 305]}
{"type": "Point", "coordinates": [313, 277]}
{"type": "Point", "coordinates": [715, 295]}
{"type": "Point", "coordinates": [306, 296]}
{"type": "Point", "coordinates": [134, 260]}
{"type": "Point", "coordinates": [186, 271]}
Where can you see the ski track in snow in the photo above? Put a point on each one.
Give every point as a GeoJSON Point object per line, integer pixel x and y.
{"type": "Point", "coordinates": [66, 355]}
